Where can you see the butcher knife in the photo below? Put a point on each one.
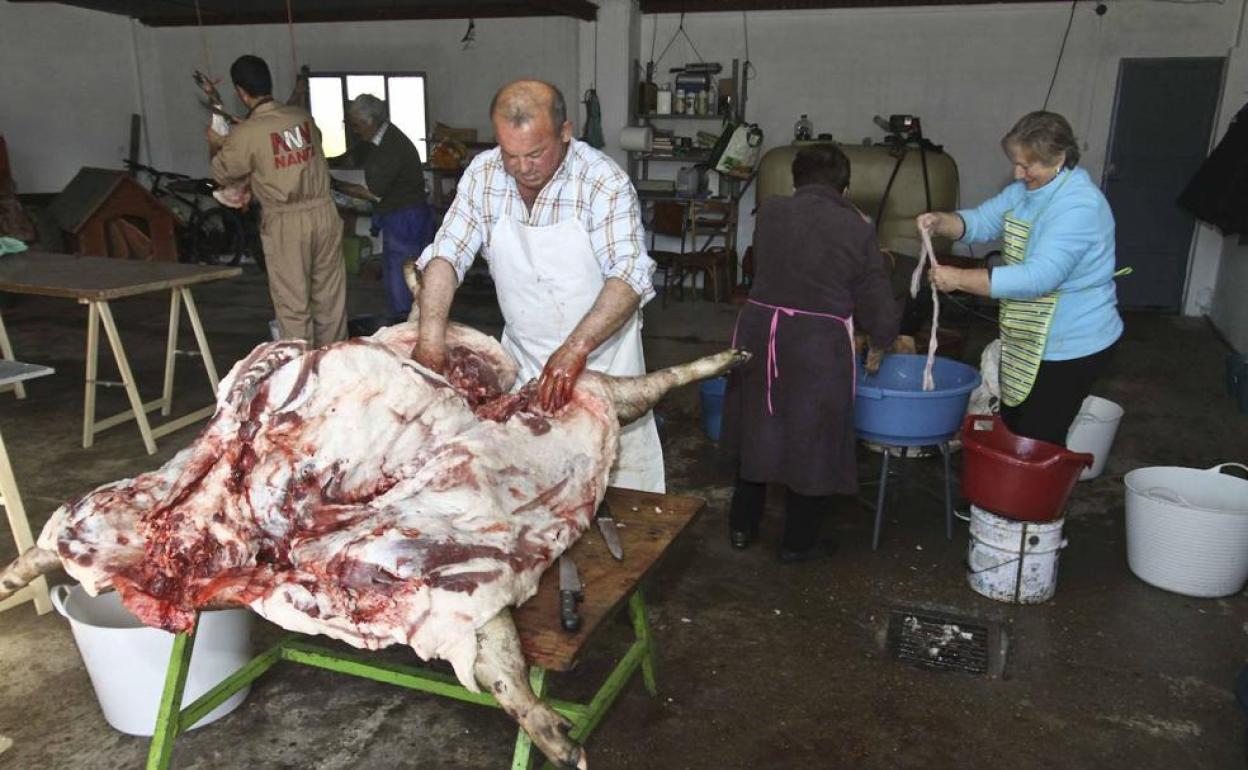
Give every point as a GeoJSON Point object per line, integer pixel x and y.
{"type": "Point", "coordinates": [570, 593]}
{"type": "Point", "coordinates": [610, 533]}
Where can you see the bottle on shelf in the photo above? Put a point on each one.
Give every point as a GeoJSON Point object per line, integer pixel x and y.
{"type": "Point", "coordinates": [678, 103]}
{"type": "Point", "coordinates": [803, 129]}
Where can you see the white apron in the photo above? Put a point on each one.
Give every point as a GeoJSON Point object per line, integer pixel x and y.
{"type": "Point", "coordinates": [547, 280]}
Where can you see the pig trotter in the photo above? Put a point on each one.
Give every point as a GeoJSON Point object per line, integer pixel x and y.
{"type": "Point", "coordinates": [634, 396]}
{"type": "Point", "coordinates": [25, 568]}
{"type": "Point", "coordinates": [501, 669]}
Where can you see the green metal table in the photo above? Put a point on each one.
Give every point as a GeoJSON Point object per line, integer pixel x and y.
{"type": "Point", "coordinates": [651, 524]}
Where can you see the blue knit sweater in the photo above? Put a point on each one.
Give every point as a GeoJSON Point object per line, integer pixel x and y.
{"type": "Point", "coordinates": [1070, 251]}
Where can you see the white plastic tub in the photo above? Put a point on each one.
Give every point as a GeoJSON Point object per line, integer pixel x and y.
{"type": "Point", "coordinates": [1187, 529]}
{"type": "Point", "coordinates": [1013, 561]}
{"type": "Point", "coordinates": [127, 660]}
{"type": "Point", "coordinates": [1093, 431]}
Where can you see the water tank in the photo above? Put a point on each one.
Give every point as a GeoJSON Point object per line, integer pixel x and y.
{"type": "Point", "coordinates": [870, 169]}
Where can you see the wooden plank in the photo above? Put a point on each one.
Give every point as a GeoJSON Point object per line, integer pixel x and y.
{"type": "Point", "coordinates": [646, 536]}
{"type": "Point", "coordinates": [99, 278]}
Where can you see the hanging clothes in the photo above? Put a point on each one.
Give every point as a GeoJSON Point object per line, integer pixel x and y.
{"type": "Point", "coordinates": [593, 121]}
{"type": "Point", "coordinates": [1218, 192]}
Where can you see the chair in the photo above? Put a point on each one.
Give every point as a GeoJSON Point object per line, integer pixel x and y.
{"type": "Point", "coordinates": [707, 222]}
{"type": "Point", "coordinates": [668, 219]}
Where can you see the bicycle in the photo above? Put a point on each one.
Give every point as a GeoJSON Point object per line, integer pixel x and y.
{"type": "Point", "coordinates": [213, 235]}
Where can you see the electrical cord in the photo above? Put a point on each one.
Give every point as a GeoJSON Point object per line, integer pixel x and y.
{"type": "Point", "coordinates": [1061, 52]}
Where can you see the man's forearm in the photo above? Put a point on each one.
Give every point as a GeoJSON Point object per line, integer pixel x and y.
{"type": "Point", "coordinates": [437, 289]}
{"type": "Point", "coordinates": [614, 306]}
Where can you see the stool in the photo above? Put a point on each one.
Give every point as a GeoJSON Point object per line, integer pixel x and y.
{"type": "Point", "coordinates": [13, 373]}
{"type": "Point", "coordinates": [881, 495]}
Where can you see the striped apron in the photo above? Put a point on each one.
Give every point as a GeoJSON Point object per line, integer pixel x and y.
{"type": "Point", "coordinates": [1024, 322]}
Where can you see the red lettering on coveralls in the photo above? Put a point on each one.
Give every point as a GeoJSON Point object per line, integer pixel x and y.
{"type": "Point", "coordinates": [292, 146]}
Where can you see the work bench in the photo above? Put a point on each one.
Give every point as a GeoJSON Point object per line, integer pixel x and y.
{"type": "Point", "coordinates": [95, 282]}
{"type": "Point", "coordinates": [651, 523]}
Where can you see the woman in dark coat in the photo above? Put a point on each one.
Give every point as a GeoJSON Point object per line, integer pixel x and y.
{"type": "Point", "coordinates": [788, 412]}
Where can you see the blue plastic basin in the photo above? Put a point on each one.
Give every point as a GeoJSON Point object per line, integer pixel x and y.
{"type": "Point", "coordinates": [891, 406]}
{"type": "Point", "coordinates": [712, 392]}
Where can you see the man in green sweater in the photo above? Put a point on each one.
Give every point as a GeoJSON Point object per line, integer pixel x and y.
{"type": "Point", "coordinates": [395, 181]}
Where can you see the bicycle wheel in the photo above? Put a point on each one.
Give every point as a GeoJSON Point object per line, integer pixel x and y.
{"type": "Point", "coordinates": [218, 237]}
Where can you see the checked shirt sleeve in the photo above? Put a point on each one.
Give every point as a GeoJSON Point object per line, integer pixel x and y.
{"type": "Point", "coordinates": [617, 236]}
{"type": "Point", "coordinates": [460, 237]}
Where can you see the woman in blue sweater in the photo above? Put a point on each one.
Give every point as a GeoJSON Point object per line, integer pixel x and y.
{"type": "Point", "coordinates": [1059, 308]}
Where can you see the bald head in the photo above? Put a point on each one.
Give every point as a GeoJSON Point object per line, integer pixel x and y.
{"type": "Point", "coordinates": [521, 102]}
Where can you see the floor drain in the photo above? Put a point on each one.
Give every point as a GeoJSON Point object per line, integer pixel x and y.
{"type": "Point", "coordinates": [939, 642]}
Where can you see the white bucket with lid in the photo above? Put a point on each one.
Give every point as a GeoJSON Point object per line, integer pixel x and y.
{"type": "Point", "coordinates": [127, 660]}
{"type": "Point", "coordinates": [1013, 561]}
{"type": "Point", "coordinates": [1093, 431]}
{"type": "Point", "coordinates": [1187, 529]}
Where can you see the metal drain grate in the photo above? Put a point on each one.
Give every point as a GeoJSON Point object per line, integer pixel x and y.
{"type": "Point", "coordinates": [939, 642]}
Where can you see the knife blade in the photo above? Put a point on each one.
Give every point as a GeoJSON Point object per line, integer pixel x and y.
{"type": "Point", "coordinates": [570, 592]}
{"type": "Point", "coordinates": [610, 533]}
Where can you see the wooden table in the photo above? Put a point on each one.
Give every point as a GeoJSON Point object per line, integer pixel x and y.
{"type": "Point", "coordinates": [648, 533]}
{"type": "Point", "coordinates": [94, 282]}
{"type": "Point", "coordinates": [14, 373]}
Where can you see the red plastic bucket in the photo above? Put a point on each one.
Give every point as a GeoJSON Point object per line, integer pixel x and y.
{"type": "Point", "coordinates": [1015, 477]}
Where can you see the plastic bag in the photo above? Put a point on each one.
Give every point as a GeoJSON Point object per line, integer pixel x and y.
{"type": "Point", "coordinates": [740, 154]}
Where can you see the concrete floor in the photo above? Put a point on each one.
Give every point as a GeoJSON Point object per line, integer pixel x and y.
{"type": "Point", "coordinates": [761, 664]}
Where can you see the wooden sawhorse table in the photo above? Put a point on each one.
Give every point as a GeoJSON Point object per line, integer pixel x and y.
{"type": "Point", "coordinates": [652, 522]}
{"type": "Point", "coordinates": [94, 281]}
{"type": "Point", "coordinates": [13, 374]}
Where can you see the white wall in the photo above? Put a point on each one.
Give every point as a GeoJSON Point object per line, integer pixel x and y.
{"type": "Point", "coordinates": [969, 72]}
{"type": "Point", "coordinates": [461, 82]}
{"type": "Point", "coordinates": [67, 90]}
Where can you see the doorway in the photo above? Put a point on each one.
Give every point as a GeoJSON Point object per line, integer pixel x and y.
{"type": "Point", "coordinates": [1164, 114]}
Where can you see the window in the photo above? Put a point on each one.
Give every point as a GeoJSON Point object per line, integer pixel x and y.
{"type": "Point", "coordinates": [403, 93]}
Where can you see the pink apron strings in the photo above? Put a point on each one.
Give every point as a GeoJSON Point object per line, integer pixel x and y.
{"type": "Point", "coordinates": [773, 362]}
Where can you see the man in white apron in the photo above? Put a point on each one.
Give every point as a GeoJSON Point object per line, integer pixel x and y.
{"type": "Point", "coordinates": [560, 225]}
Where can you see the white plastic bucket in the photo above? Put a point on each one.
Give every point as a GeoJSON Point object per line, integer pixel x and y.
{"type": "Point", "coordinates": [1013, 561]}
{"type": "Point", "coordinates": [1187, 529]}
{"type": "Point", "coordinates": [127, 660]}
{"type": "Point", "coordinates": [1093, 431]}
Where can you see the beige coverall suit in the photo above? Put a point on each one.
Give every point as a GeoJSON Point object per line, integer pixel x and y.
{"type": "Point", "coordinates": [277, 150]}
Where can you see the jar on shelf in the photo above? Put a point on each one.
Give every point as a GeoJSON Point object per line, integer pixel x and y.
{"type": "Point", "coordinates": [803, 129]}
{"type": "Point", "coordinates": [664, 104]}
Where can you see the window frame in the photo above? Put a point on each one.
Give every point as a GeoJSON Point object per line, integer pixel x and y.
{"type": "Point", "coordinates": [421, 141]}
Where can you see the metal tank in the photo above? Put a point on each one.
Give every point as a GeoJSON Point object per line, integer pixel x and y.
{"type": "Point", "coordinates": [870, 169]}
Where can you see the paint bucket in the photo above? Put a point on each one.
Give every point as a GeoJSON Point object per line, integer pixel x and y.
{"type": "Point", "coordinates": [1093, 431]}
{"type": "Point", "coordinates": [712, 392]}
{"type": "Point", "coordinates": [127, 661]}
{"type": "Point", "coordinates": [1187, 529]}
{"type": "Point", "coordinates": [1013, 561]}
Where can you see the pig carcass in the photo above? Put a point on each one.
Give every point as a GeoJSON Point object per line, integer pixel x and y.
{"type": "Point", "coordinates": [350, 492]}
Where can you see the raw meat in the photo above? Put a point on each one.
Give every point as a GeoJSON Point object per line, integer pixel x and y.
{"type": "Point", "coordinates": [348, 491]}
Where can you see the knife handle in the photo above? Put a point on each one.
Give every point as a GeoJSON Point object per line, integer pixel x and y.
{"type": "Point", "coordinates": [568, 616]}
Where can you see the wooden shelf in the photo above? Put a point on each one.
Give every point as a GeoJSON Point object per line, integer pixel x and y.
{"type": "Point", "coordinates": [692, 157]}
{"type": "Point", "coordinates": [673, 116]}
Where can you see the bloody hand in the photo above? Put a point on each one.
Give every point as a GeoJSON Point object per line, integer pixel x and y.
{"type": "Point", "coordinates": [554, 387]}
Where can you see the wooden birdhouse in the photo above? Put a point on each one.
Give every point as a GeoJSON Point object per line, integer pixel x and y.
{"type": "Point", "coordinates": [106, 213]}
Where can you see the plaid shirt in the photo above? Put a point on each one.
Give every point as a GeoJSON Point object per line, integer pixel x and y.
{"type": "Point", "coordinates": [588, 185]}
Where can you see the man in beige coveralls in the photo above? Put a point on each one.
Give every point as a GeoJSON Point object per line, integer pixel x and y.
{"type": "Point", "coordinates": [277, 151]}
